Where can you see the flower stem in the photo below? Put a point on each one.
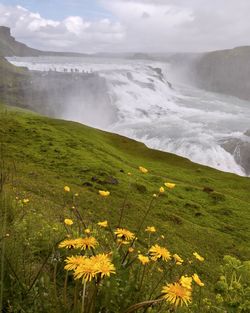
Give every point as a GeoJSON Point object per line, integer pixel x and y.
{"type": "Point", "coordinates": [65, 288]}
{"type": "Point", "coordinates": [83, 296]}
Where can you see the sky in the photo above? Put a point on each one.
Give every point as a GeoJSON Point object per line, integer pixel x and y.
{"type": "Point", "coordinates": [128, 25]}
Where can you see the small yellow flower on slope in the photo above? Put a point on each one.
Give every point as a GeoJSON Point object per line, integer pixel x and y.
{"type": "Point", "coordinates": [72, 262]}
{"type": "Point", "coordinates": [143, 259]}
{"type": "Point", "coordinates": [186, 282]}
{"type": "Point", "coordinates": [103, 224]}
{"type": "Point", "coordinates": [26, 201]}
{"type": "Point", "coordinates": [150, 229]}
{"type": "Point", "coordinates": [87, 231]}
{"type": "Point", "coordinates": [143, 170]}
{"type": "Point", "coordinates": [124, 234]}
{"type": "Point", "coordinates": [86, 271]}
{"type": "Point", "coordinates": [156, 252]}
{"type": "Point", "coordinates": [161, 190]}
{"type": "Point", "coordinates": [178, 259]}
{"type": "Point", "coordinates": [68, 244]}
{"type": "Point", "coordinates": [104, 193]}
{"type": "Point", "coordinates": [197, 280]}
{"type": "Point", "coordinates": [86, 243]}
{"type": "Point", "coordinates": [89, 268]}
{"type": "Point", "coordinates": [66, 189]}
{"type": "Point", "coordinates": [68, 222]}
{"type": "Point", "coordinates": [103, 265]}
{"type": "Point", "coordinates": [169, 185]}
{"type": "Point", "coordinates": [176, 294]}
{"type": "Point", "coordinates": [198, 257]}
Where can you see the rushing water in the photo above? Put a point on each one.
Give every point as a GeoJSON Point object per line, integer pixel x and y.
{"type": "Point", "coordinates": [174, 117]}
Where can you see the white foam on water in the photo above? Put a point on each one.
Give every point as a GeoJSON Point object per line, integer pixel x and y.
{"type": "Point", "coordinates": [183, 120]}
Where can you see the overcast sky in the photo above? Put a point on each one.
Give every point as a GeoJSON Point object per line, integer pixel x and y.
{"type": "Point", "coordinates": [128, 25]}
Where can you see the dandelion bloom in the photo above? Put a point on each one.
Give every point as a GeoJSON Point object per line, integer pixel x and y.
{"type": "Point", "coordinates": [155, 195]}
{"type": "Point", "coordinates": [176, 294]}
{"type": "Point", "coordinates": [186, 281]}
{"type": "Point", "coordinates": [86, 271]}
{"type": "Point", "coordinates": [198, 257]}
{"type": "Point", "coordinates": [66, 189]}
{"type": "Point", "coordinates": [197, 280]}
{"type": "Point", "coordinates": [170, 185]}
{"type": "Point", "coordinates": [103, 224]}
{"type": "Point", "coordinates": [26, 201]}
{"type": "Point", "coordinates": [104, 193]}
{"type": "Point", "coordinates": [86, 243]}
{"type": "Point", "coordinates": [124, 234]}
{"type": "Point", "coordinates": [143, 170]}
{"type": "Point", "coordinates": [143, 259]}
{"type": "Point", "coordinates": [103, 264]}
{"type": "Point", "coordinates": [178, 259]}
{"type": "Point", "coordinates": [156, 252]}
{"type": "Point", "coordinates": [68, 222]}
{"type": "Point", "coordinates": [150, 229]}
{"type": "Point", "coordinates": [161, 190]}
{"type": "Point", "coordinates": [68, 244]}
{"type": "Point", "coordinates": [72, 262]}
{"type": "Point", "coordinates": [89, 268]}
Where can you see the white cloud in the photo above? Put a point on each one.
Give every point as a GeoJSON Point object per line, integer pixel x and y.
{"type": "Point", "coordinates": [74, 33]}
{"type": "Point", "coordinates": [138, 25]}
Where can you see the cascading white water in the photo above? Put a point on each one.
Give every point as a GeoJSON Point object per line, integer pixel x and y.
{"type": "Point", "coordinates": [182, 120]}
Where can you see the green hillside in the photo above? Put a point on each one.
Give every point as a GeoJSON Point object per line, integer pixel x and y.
{"type": "Point", "coordinates": [207, 211]}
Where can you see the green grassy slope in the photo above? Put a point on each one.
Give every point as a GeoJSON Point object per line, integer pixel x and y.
{"type": "Point", "coordinates": [46, 154]}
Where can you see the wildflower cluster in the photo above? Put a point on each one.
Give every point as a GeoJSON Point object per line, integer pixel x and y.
{"type": "Point", "coordinates": [89, 263]}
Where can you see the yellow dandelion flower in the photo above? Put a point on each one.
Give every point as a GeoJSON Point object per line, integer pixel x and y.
{"type": "Point", "coordinates": [103, 224]}
{"type": "Point", "coordinates": [170, 185]}
{"type": "Point", "coordinates": [26, 201]}
{"type": "Point", "coordinates": [87, 231]}
{"type": "Point", "coordinates": [197, 280]}
{"type": "Point", "coordinates": [68, 244]}
{"type": "Point", "coordinates": [66, 189]}
{"type": "Point", "coordinates": [143, 259]}
{"type": "Point", "coordinates": [76, 194]}
{"type": "Point", "coordinates": [103, 265]}
{"type": "Point", "coordinates": [143, 170]}
{"type": "Point", "coordinates": [198, 257]}
{"type": "Point", "coordinates": [150, 229]}
{"type": "Point", "coordinates": [129, 174]}
{"type": "Point", "coordinates": [186, 281]}
{"type": "Point", "coordinates": [124, 234]}
{"type": "Point", "coordinates": [104, 193]}
{"type": "Point", "coordinates": [86, 243]}
{"type": "Point", "coordinates": [176, 294]}
{"type": "Point", "coordinates": [72, 262]}
{"type": "Point", "coordinates": [156, 252]}
{"type": "Point", "coordinates": [86, 271]}
{"type": "Point", "coordinates": [178, 259]}
{"type": "Point", "coordinates": [155, 195]}
{"type": "Point", "coordinates": [161, 190]}
{"type": "Point", "coordinates": [68, 222]}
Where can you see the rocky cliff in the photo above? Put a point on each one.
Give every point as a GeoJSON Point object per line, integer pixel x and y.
{"type": "Point", "coordinates": [226, 71]}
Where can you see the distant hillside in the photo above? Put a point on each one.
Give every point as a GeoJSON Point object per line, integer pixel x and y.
{"type": "Point", "coordinates": [10, 47]}
{"type": "Point", "coordinates": [226, 71]}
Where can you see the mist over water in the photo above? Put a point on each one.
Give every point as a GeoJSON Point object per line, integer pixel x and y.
{"type": "Point", "coordinates": [137, 100]}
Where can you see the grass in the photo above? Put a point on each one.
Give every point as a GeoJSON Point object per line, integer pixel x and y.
{"type": "Point", "coordinates": [46, 154]}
